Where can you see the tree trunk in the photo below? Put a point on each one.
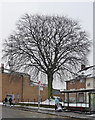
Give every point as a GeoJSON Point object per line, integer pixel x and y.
{"type": "Point", "coordinates": [50, 80]}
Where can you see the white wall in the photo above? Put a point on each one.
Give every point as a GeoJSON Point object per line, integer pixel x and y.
{"type": "Point", "coordinates": [91, 82]}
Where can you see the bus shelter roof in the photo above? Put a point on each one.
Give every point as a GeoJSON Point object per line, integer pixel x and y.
{"type": "Point", "coordinates": [75, 91]}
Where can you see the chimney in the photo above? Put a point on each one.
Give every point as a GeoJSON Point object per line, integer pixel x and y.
{"type": "Point", "coordinates": [82, 66]}
{"type": "Point", "coordinates": [2, 68]}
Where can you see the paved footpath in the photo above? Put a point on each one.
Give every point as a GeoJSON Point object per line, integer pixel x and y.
{"type": "Point", "coordinates": [81, 116]}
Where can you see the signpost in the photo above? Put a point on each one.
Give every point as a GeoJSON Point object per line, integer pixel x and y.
{"type": "Point", "coordinates": [39, 89]}
{"type": "Point", "coordinates": [39, 96]}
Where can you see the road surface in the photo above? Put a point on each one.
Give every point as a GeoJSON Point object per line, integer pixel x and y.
{"type": "Point", "coordinates": [8, 112]}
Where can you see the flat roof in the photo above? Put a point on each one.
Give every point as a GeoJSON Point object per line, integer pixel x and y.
{"type": "Point", "coordinates": [7, 71]}
{"type": "Point", "coordinates": [75, 91]}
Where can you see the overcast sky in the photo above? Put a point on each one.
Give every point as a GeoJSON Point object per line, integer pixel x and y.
{"type": "Point", "coordinates": [11, 12]}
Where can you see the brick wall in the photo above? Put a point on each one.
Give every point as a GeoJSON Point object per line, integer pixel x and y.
{"type": "Point", "coordinates": [31, 92]}
{"type": "Point", "coordinates": [75, 84]}
{"type": "Point", "coordinates": [12, 84]}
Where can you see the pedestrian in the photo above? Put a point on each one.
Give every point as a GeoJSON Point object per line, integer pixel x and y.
{"type": "Point", "coordinates": [10, 101]}
{"type": "Point", "coordinates": [6, 100]}
{"type": "Point", "coordinates": [56, 103]}
{"type": "Point", "coordinates": [60, 99]}
{"type": "Point", "coordinates": [13, 102]}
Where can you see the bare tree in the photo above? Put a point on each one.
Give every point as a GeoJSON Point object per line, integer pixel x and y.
{"type": "Point", "coordinates": [50, 44]}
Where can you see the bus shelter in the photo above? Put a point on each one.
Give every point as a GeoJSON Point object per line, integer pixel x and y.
{"type": "Point", "coordinates": [80, 100]}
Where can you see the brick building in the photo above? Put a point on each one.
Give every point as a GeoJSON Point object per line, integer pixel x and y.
{"type": "Point", "coordinates": [75, 84]}
{"type": "Point", "coordinates": [18, 85]}
{"type": "Point", "coordinates": [85, 81]}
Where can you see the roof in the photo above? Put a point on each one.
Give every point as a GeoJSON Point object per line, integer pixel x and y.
{"type": "Point", "coordinates": [56, 92]}
{"type": "Point", "coordinates": [85, 73]}
{"type": "Point", "coordinates": [86, 68]}
{"type": "Point", "coordinates": [80, 78]}
{"type": "Point", "coordinates": [75, 91]}
{"type": "Point", "coordinates": [13, 72]}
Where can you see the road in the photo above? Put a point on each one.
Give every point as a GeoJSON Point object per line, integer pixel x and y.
{"type": "Point", "coordinates": [8, 112]}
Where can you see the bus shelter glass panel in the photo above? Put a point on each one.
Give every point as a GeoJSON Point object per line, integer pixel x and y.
{"type": "Point", "coordinates": [92, 101]}
{"type": "Point", "coordinates": [72, 98]}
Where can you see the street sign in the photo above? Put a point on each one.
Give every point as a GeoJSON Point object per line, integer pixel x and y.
{"type": "Point", "coordinates": [39, 82]}
{"type": "Point", "coordinates": [41, 87]}
{"type": "Point", "coordinates": [18, 96]}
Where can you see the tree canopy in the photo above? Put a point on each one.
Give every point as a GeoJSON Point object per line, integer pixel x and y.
{"type": "Point", "coordinates": [48, 44]}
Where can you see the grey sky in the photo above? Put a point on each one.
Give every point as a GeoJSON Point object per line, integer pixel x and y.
{"type": "Point", "coordinates": [80, 11]}
{"type": "Point", "coordinates": [12, 11]}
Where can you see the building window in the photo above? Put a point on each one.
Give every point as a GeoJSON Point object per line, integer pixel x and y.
{"type": "Point", "coordinates": [88, 84]}
{"type": "Point", "coordinates": [81, 97]}
{"type": "Point", "coordinates": [82, 81]}
{"type": "Point", "coordinates": [72, 82]}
